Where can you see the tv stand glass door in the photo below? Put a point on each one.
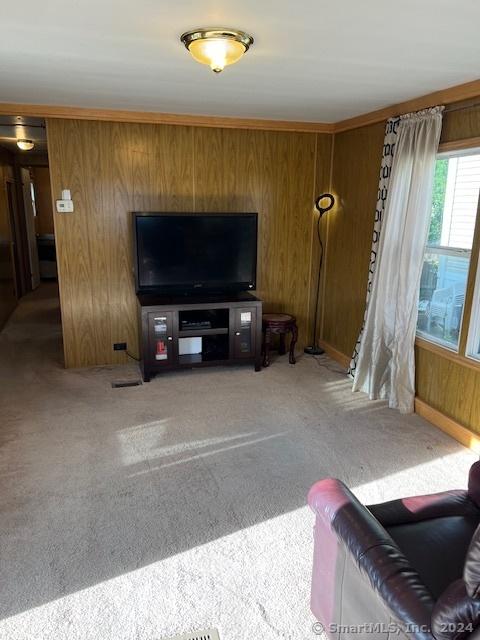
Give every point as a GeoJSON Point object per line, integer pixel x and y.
{"type": "Point", "coordinates": [162, 344]}
{"type": "Point", "coordinates": [244, 323]}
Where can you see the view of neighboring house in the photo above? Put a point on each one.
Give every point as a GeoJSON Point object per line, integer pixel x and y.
{"type": "Point", "coordinates": [447, 256]}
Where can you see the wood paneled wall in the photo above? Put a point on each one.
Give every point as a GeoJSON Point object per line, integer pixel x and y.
{"type": "Point", "coordinates": [323, 182]}
{"type": "Point", "coordinates": [113, 169]}
{"type": "Point", "coordinates": [449, 387]}
{"type": "Point", "coordinates": [355, 172]}
{"type": "Point", "coordinates": [8, 299]}
{"type": "Point", "coordinates": [43, 200]}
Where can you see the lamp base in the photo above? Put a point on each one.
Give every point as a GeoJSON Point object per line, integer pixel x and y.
{"type": "Point", "coordinates": [313, 350]}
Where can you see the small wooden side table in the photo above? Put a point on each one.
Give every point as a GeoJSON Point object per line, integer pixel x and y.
{"type": "Point", "coordinates": [280, 323]}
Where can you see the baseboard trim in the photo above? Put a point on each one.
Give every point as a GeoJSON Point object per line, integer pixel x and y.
{"type": "Point", "coordinates": [335, 354]}
{"type": "Point", "coordinates": [448, 425]}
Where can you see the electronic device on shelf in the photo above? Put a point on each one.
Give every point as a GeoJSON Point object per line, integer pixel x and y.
{"type": "Point", "coordinates": [187, 325]}
{"type": "Point", "coordinates": [195, 253]}
{"type": "Point", "coordinates": [194, 274]}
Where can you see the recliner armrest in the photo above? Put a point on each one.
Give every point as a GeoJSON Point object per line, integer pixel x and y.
{"type": "Point", "coordinates": [376, 555]}
{"type": "Point", "coordinates": [418, 508]}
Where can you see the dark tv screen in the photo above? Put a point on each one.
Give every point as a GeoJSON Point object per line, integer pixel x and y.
{"type": "Point", "coordinates": [184, 253]}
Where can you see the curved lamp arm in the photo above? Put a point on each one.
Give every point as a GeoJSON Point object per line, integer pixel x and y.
{"type": "Point", "coordinates": [314, 349]}
{"type": "Point", "coordinates": [325, 196]}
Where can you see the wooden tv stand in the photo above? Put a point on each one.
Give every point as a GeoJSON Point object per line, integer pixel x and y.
{"type": "Point", "coordinates": [186, 332]}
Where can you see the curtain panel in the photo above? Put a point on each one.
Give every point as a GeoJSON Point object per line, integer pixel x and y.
{"type": "Point", "coordinates": [383, 364]}
{"type": "Point", "coordinates": [391, 133]}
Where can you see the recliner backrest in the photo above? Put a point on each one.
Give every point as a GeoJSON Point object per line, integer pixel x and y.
{"type": "Point", "coordinates": [471, 570]}
{"type": "Point", "coordinates": [457, 612]}
{"type": "Point", "coordinates": [474, 483]}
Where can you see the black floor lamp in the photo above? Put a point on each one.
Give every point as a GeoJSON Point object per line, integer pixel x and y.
{"type": "Point", "coordinates": [314, 349]}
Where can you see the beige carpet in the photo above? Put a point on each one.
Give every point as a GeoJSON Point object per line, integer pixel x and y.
{"type": "Point", "coordinates": [143, 512]}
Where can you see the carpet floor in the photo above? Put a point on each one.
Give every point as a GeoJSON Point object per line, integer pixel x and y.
{"type": "Point", "coordinates": [143, 512]}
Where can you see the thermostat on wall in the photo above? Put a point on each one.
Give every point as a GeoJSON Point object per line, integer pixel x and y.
{"type": "Point", "coordinates": [65, 205]}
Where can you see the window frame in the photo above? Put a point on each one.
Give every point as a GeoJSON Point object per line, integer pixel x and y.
{"type": "Point", "coordinates": [473, 338]}
{"type": "Point", "coordinates": [469, 329]}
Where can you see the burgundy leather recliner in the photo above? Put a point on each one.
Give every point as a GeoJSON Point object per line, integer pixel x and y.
{"type": "Point", "coordinates": [408, 568]}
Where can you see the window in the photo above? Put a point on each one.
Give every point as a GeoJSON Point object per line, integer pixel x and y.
{"type": "Point", "coordinates": [443, 284]}
{"type": "Point", "coordinates": [32, 195]}
{"type": "Point", "coordinates": [473, 345]}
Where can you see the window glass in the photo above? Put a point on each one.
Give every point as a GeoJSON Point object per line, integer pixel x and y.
{"type": "Point", "coordinates": [447, 254]}
{"type": "Point", "coordinates": [473, 344]}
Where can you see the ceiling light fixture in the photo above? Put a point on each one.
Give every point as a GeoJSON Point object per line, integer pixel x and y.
{"type": "Point", "coordinates": [25, 145]}
{"type": "Point", "coordinates": [217, 47]}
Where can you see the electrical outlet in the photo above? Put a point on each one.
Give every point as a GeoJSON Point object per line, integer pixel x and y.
{"type": "Point", "coordinates": [119, 346]}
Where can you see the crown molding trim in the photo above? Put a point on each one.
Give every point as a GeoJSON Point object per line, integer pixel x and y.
{"type": "Point", "coordinates": [458, 93]}
{"type": "Point", "coordinates": [150, 117]}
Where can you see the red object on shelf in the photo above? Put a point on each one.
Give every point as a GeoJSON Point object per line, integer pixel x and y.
{"type": "Point", "coordinates": [161, 350]}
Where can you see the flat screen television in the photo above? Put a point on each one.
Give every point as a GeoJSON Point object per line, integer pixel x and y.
{"type": "Point", "coordinates": [188, 253]}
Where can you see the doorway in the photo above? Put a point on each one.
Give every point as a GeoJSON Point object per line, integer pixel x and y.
{"type": "Point", "coordinates": [27, 234]}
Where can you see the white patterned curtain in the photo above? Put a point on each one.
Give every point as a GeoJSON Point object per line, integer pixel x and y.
{"type": "Point", "coordinates": [383, 363]}
{"type": "Point", "coordinates": [391, 133]}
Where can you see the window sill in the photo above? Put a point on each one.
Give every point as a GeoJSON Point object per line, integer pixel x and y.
{"type": "Point", "coordinates": [446, 353]}
{"type": "Point", "coordinates": [443, 344]}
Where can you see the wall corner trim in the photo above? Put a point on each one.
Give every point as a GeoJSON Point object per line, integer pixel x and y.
{"type": "Point", "coordinates": [335, 354]}
{"type": "Point", "coordinates": [449, 426]}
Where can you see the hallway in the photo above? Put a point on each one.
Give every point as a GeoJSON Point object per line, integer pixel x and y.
{"type": "Point", "coordinates": [32, 338]}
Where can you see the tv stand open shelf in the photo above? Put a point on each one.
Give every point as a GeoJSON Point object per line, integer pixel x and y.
{"type": "Point", "coordinates": [186, 332]}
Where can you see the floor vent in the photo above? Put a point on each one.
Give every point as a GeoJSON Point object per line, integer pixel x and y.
{"type": "Point", "coordinates": [118, 384]}
{"type": "Point", "coordinates": [208, 634]}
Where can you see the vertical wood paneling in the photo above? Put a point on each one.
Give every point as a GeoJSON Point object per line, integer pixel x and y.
{"type": "Point", "coordinates": [299, 178]}
{"type": "Point", "coordinates": [113, 169]}
{"type": "Point", "coordinates": [70, 168]}
{"type": "Point", "coordinates": [323, 184]}
{"type": "Point", "coordinates": [447, 386]}
{"type": "Point", "coordinates": [355, 172]}
{"type": "Point", "coordinates": [460, 124]}
{"type": "Point", "coordinates": [43, 200]}
{"type": "Point", "coordinates": [115, 178]}
{"type": "Point", "coordinates": [271, 173]}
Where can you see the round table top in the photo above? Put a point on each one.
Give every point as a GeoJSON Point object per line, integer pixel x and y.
{"type": "Point", "coordinates": [277, 317]}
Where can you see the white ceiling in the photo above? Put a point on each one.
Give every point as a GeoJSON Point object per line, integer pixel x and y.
{"type": "Point", "coordinates": [312, 60]}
